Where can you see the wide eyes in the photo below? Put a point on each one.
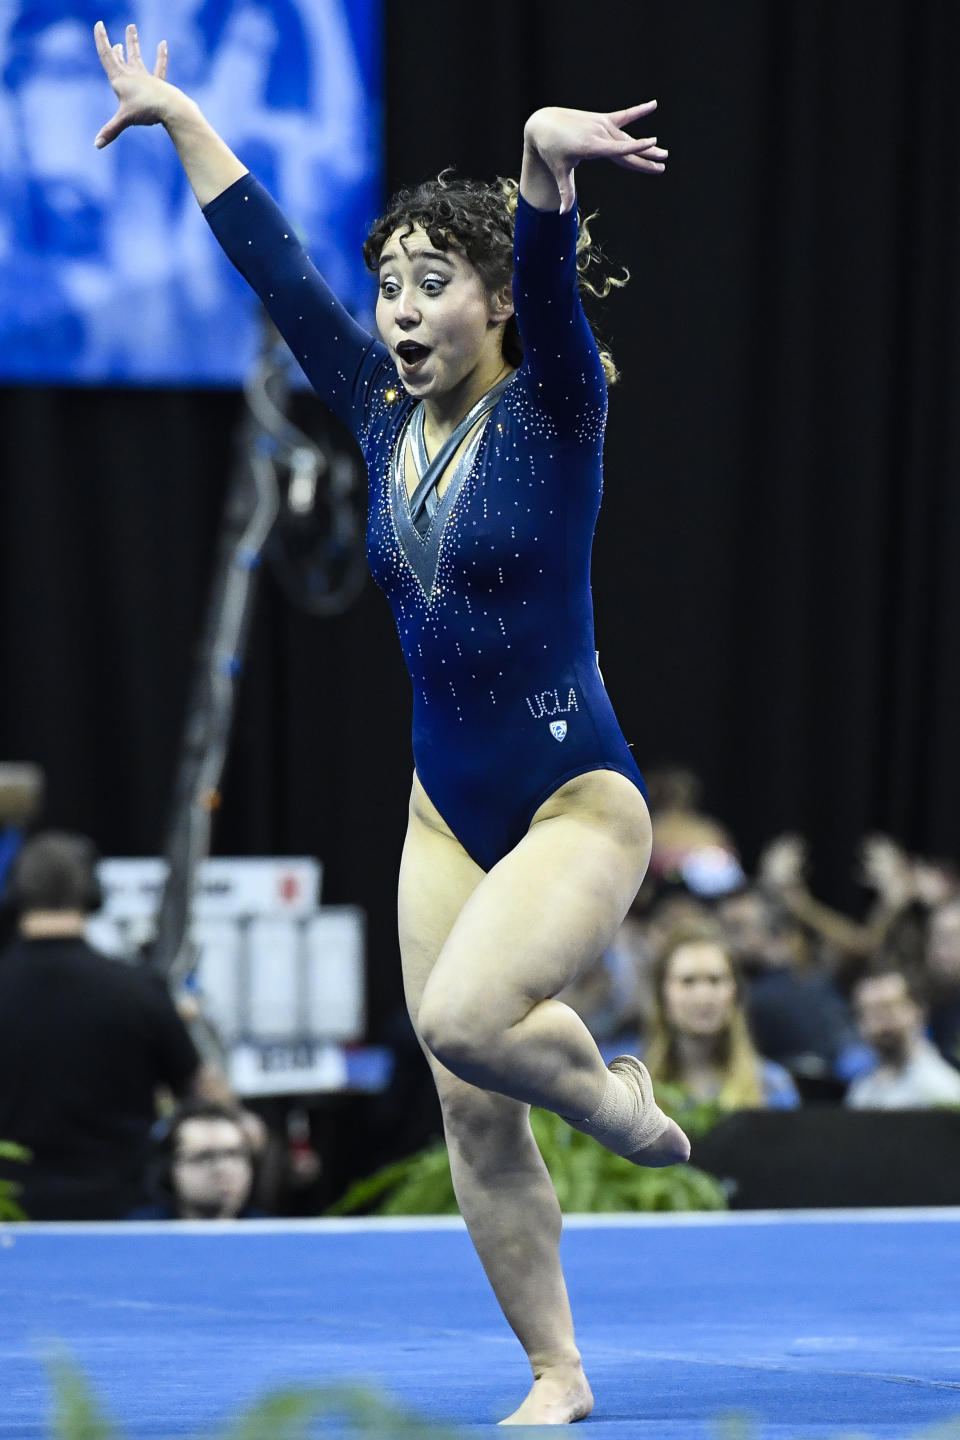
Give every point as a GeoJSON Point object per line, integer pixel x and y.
{"type": "Point", "coordinates": [432, 284]}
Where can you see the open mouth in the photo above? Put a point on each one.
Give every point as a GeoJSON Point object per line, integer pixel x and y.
{"type": "Point", "coordinates": [411, 353]}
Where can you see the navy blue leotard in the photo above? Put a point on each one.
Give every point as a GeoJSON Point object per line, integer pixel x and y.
{"type": "Point", "coordinates": [493, 604]}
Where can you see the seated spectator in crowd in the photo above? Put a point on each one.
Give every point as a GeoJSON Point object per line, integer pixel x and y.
{"type": "Point", "coordinates": [942, 976]}
{"type": "Point", "coordinates": [203, 1167]}
{"type": "Point", "coordinates": [911, 1074]}
{"type": "Point", "coordinates": [797, 1014]}
{"type": "Point", "coordinates": [699, 1040]}
{"type": "Point", "coordinates": [85, 1042]}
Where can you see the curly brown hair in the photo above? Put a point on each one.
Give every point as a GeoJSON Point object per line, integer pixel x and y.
{"type": "Point", "coordinates": [477, 217]}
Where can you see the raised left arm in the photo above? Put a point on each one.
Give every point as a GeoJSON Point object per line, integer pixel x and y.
{"type": "Point", "coordinates": [555, 140]}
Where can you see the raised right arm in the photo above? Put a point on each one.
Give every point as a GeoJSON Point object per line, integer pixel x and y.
{"type": "Point", "coordinates": [148, 99]}
{"type": "Point", "coordinates": [337, 355]}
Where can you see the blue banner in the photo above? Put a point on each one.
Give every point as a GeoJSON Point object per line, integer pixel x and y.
{"type": "Point", "coordinates": [108, 273]}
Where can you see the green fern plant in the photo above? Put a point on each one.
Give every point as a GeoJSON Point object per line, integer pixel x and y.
{"type": "Point", "coordinates": [587, 1178]}
{"type": "Point", "coordinates": [9, 1189]}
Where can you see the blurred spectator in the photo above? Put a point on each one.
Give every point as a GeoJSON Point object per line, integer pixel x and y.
{"type": "Point", "coordinates": [608, 996]}
{"type": "Point", "coordinates": [614, 997]}
{"type": "Point", "coordinates": [85, 1042]}
{"type": "Point", "coordinates": [21, 795]}
{"type": "Point", "coordinates": [892, 923]}
{"type": "Point", "coordinates": [935, 882]}
{"type": "Point", "coordinates": [699, 1040]}
{"type": "Point", "coordinates": [797, 1014]}
{"type": "Point", "coordinates": [911, 1073]}
{"type": "Point", "coordinates": [203, 1167]}
{"type": "Point", "coordinates": [942, 974]}
{"type": "Point", "coordinates": [690, 849]}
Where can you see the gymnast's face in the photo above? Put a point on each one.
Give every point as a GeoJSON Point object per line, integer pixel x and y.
{"type": "Point", "coordinates": [699, 989]}
{"type": "Point", "coordinates": [436, 317]}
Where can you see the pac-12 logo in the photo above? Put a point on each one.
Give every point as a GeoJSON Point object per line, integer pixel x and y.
{"type": "Point", "coordinates": [558, 729]}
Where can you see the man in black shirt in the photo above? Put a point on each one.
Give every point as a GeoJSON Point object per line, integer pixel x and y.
{"type": "Point", "coordinates": [85, 1042]}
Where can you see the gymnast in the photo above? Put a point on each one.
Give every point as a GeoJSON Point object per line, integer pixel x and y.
{"type": "Point", "coordinates": [480, 410]}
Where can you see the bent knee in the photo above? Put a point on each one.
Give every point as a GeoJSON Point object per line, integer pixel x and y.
{"type": "Point", "coordinates": [457, 1038]}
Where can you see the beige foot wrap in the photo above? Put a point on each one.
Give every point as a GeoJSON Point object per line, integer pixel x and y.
{"type": "Point", "coordinates": [628, 1118]}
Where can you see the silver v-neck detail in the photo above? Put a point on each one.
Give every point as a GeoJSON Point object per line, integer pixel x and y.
{"type": "Point", "coordinates": [421, 548]}
{"type": "Point", "coordinates": [422, 552]}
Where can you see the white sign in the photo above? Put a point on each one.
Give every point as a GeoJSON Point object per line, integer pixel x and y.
{"type": "Point", "coordinates": [226, 889]}
{"type": "Point", "coordinates": [281, 980]}
{"type": "Point", "coordinates": [287, 1068]}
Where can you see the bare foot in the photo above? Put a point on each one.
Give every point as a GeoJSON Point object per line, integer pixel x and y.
{"type": "Point", "coordinates": [557, 1397]}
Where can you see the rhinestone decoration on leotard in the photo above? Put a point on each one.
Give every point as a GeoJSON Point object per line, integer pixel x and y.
{"type": "Point", "coordinates": [508, 614]}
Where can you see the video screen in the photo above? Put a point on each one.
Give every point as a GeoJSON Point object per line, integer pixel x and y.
{"type": "Point", "coordinates": [108, 271]}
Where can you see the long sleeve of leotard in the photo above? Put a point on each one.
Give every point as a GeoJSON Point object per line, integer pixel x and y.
{"type": "Point", "coordinates": [338, 357]}
{"type": "Point", "coordinates": [559, 350]}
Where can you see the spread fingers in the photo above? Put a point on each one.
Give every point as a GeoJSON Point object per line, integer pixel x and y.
{"type": "Point", "coordinates": [106, 51]}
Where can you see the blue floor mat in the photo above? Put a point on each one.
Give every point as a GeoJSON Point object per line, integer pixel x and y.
{"type": "Point", "coordinates": [811, 1326]}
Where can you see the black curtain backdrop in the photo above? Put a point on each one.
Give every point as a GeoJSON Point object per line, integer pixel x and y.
{"type": "Point", "coordinates": [776, 570]}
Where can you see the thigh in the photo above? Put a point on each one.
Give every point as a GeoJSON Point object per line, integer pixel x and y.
{"type": "Point", "coordinates": [437, 877]}
{"type": "Point", "coordinates": [546, 911]}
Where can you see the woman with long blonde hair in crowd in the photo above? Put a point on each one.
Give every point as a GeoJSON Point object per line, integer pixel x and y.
{"type": "Point", "coordinates": [698, 1039]}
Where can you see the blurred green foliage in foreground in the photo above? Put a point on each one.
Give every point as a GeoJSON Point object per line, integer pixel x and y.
{"type": "Point", "coordinates": [9, 1189]}
{"type": "Point", "coordinates": [336, 1411]}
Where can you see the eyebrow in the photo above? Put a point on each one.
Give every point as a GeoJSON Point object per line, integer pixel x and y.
{"type": "Point", "coordinates": [416, 255]}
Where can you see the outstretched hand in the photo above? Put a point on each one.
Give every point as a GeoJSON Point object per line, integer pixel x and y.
{"type": "Point", "coordinates": [144, 96]}
{"type": "Point", "coordinates": [556, 140]}
{"type": "Point", "coordinates": [782, 863]}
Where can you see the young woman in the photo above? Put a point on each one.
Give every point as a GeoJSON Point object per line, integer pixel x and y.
{"type": "Point", "coordinates": [480, 411]}
{"type": "Point", "coordinates": [699, 1040]}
